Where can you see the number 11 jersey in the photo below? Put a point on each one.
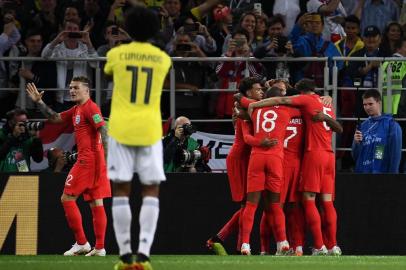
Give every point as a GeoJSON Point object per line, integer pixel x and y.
{"type": "Point", "coordinates": [139, 70]}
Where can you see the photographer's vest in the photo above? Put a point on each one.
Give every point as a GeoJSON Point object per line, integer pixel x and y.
{"type": "Point", "coordinates": [398, 74]}
{"type": "Point", "coordinates": [191, 145]}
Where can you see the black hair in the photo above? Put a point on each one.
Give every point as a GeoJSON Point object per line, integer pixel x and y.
{"type": "Point", "coordinates": [32, 32]}
{"type": "Point", "coordinates": [398, 44]}
{"type": "Point", "coordinates": [352, 19]}
{"type": "Point", "coordinates": [277, 18]}
{"type": "Point", "coordinates": [10, 118]}
{"type": "Point", "coordinates": [241, 31]}
{"type": "Point", "coordinates": [246, 84]}
{"type": "Point", "coordinates": [274, 91]}
{"type": "Point", "coordinates": [141, 23]}
{"type": "Point", "coordinates": [372, 93]}
{"type": "Point", "coordinates": [305, 85]}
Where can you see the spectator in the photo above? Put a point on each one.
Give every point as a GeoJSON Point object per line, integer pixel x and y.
{"type": "Point", "coordinates": [198, 34]}
{"type": "Point", "coordinates": [393, 33]}
{"type": "Point", "coordinates": [94, 17]}
{"type": "Point", "coordinates": [70, 42]}
{"type": "Point", "coordinates": [334, 14]}
{"type": "Point", "coordinates": [261, 29]}
{"type": "Point", "coordinates": [248, 22]}
{"type": "Point", "coordinates": [177, 142]}
{"type": "Point", "coordinates": [398, 80]}
{"type": "Point", "coordinates": [276, 45]}
{"type": "Point", "coordinates": [39, 72]}
{"type": "Point", "coordinates": [47, 19]}
{"type": "Point", "coordinates": [377, 12]}
{"type": "Point", "coordinates": [8, 38]}
{"type": "Point", "coordinates": [222, 27]}
{"type": "Point", "coordinates": [18, 144]}
{"type": "Point", "coordinates": [312, 44]}
{"type": "Point", "coordinates": [289, 10]}
{"type": "Point", "coordinates": [114, 36]}
{"type": "Point", "coordinates": [367, 71]}
{"type": "Point", "coordinates": [231, 73]}
{"type": "Point", "coordinates": [347, 46]}
{"type": "Point", "coordinates": [71, 13]}
{"type": "Point", "coordinates": [188, 75]}
{"type": "Point", "coordinates": [378, 141]}
{"type": "Point", "coordinates": [60, 161]}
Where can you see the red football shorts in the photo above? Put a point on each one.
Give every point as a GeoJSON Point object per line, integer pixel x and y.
{"type": "Point", "coordinates": [265, 172]}
{"type": "Point", "coordinates": [88, 177]}
{"type": "Point", "coordinates": [291, 175]}
{"type": "Point", "coordinates": [237, 166]}
{"type": "Point", "coordinates": [318, 172]}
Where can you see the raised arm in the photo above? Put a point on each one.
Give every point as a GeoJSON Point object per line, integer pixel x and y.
{"type": "Point", "coordinates": [332, 123]}
{"type": "Point", "coordinates": [269, 102]}
{"type": "Point", "coordinates": [36, 97]}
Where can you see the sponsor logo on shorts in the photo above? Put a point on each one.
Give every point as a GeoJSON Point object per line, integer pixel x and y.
{"type": "Point", "coordinates": [77, 119]}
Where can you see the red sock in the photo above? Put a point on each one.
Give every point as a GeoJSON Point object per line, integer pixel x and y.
{"type": "Point", "coordinates": [298, 228]}
{"type": "Point", "coordinates": [239, 239]}
{"type": "Point", "coordinates": [230, 227]}
{"type": "Point", "coordinates": [330, 223]}
{"type": "Point", "coordinates": [247, 221]}
{"type": "Point", "coordinates": [313, 222]}
{"type": "Point", "coordinates": [74, 219]}
{"type": "Point", "coordinates": [278, 222]}
{"type": "Point", "coordinates": [99, 225]}
{"type": "Point", "coordinates": [265, 233]}
{"type": "Point", "coordinates": [323, 227]}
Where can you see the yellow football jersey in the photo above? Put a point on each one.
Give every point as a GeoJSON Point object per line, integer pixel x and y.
{"type": "Point", "coordinates": [139, 70]}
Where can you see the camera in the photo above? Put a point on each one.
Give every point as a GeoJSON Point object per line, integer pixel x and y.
{"type": "Point", "coordinates": [34, 126]}
{"type": "Point", "coordinates": [183, 47]}
{"type": "Point", "coordinates": [70, 157]}
{"type": "Point", "coordinates": [239, 42]}
{"type": "Point", "coordinates": [187, 158]}
{"type": "Point", "coordinates": [282, 40]}
{"type": "Point", "coordinates": [114, 31]}
{"type": "Point", "coordinates": [188, 129]}
{"type": "Point", "coordinates": [74, 35]}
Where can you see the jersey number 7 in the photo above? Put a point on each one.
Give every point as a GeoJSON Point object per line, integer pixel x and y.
{"type": "Point", "coordinates": [149, 72]}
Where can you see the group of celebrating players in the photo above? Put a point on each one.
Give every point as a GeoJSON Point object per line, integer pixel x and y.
{"type": "Point", "coordinates": [283, 154]}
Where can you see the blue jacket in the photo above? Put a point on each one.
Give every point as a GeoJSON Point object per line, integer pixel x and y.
{"type": "Point", "coordinates": [380, 149]}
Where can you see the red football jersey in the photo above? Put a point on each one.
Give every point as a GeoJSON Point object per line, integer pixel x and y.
{"type": "Point", "coordinates": [86, 119]}
{"type": "Point", "coordinates": [318, 134]}
{"type": "Point", "coordinates": [271, 122]}
{"type": "Point", "coordinates": [293, 143]}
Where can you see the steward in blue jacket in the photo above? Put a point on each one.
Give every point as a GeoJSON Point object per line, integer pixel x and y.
{"type": "Point", "coordinates": [377, 143]}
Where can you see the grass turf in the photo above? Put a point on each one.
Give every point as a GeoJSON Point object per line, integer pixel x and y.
{"type": "Point", "coordinates": [192, 262]}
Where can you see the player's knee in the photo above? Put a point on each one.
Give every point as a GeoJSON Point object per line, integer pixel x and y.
{"type": "Point", "coordinates": [309, 196]}
{"type": "Point", "coordinates": [121, 189]}
{"type": "Point", "coordinates": [150, 190]}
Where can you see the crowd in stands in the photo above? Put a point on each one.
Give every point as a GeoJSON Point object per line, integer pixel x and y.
{"type": "Point", "coordinates": [203, 28]}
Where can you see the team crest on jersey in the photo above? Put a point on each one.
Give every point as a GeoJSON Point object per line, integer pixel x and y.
{"type": "Point", "coordinates": [77, 119]}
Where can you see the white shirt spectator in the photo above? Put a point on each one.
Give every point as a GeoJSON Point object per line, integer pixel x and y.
{"type": "Point", "coordinates": [289, 9]}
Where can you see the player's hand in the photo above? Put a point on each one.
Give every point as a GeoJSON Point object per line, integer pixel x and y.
{"type": "Point", "coordinates": [358, 136]}
{"type": "Point", "coordinates": [237, 97]}
{"type": "Point", "coordinates": [241, 113]}
{"type": "Point", "coordinates": [326, 100]}
{"type": "Point", "coordinates": [268, 142]}
{"type": "Point", "coordinates": [33, 92]}
{"type": "Point", "coordinates": [318, 117]}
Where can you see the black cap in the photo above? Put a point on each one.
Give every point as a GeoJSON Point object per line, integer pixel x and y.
{"type": "Point", "coordinates": [371, 31]}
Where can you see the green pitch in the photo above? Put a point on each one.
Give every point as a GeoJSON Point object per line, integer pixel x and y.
{"type": "Point", "coordinates": [191, 262]}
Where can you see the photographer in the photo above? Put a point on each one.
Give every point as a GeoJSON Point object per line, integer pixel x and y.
{"type": "Point", "coordinates": [59, 160]}
{"type": "Point", "coordinates": [19, 143]}
{"type": "Point", "coordinates": [181, 152]}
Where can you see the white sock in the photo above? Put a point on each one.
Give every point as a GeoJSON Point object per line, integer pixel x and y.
{"type": "Point", "coordinates": [148, 219]}
{"type": "Point", "coordinates": [122, 223]}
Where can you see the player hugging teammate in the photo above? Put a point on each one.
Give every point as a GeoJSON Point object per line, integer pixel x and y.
{"type": "Point", "coordinates": [292, 167]}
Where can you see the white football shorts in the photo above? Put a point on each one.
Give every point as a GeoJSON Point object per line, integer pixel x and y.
{"type": "Point", "coordinates": [124, 160]}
